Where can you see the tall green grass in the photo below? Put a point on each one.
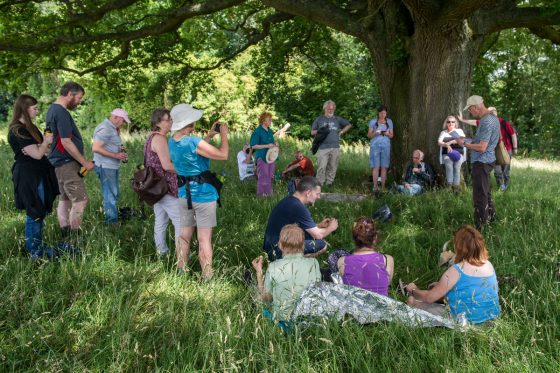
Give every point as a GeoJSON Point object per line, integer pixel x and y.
{"type": "Point", "coordinates": [119, 308]}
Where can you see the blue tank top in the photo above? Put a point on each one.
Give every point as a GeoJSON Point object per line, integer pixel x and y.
{"type": "Point", "coordinates": [476, 297]}
{"type": "Point", "coordinates": [188, 163]}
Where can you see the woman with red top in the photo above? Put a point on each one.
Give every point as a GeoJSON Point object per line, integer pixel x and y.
{"type": "Point", "coordinates": [156, 155]}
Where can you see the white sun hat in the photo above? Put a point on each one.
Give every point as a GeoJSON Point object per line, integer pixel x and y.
{"type": "Point", "coordinates": [272, 154]}
{"type": "Point", "coordinates": [183, 115]}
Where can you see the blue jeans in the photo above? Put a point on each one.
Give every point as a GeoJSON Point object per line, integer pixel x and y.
{"type": "Point", "coordinates": [110, 188]}
{"type": "Point", "coordinates": [34, 232]}
{"type": "Point", "coordinates": [412, 191]}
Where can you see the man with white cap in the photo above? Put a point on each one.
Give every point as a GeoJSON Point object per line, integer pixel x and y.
{"type": "Point", "coordinates": [483, 159]}
{"type": "Point", "coordinates": [108, 153]}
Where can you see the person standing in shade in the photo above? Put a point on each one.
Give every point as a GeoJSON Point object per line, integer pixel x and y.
{"type": "Point", "coordinates": [35, 184]}
{"type": "Point", "coordinates": [483, 159]}
{"type": "Point", "coordinates": [262, 139]}
{"type": "Point", "coordinates": [107, 155]}
{"type": "Point", "coordinates": [509, 137]}
{"type": "Point", "coordinates": [329, 149]}
{"type": "Point", "coordinates": [380, 132]}
{"type": "Point", "coordinates": [67, 157]}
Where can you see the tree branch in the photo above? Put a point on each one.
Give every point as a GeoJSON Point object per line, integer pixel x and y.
{"type": "Point", "coordinates": [529, 17]}
{"type": "Point", "coordinates": [545, 32]}
{"type": "Point", "coordinates": [171, 21]}
{"type": "Point", "coordinates": [320, 11]}
{"type": "Point", "coordinates": [97, 14]}
{"type": "Point", "coordinates": [456, 10]}
{"type": "Point", "coordinates": [252, 39]}
{"type": "Point", "coordinates": [123, 55]}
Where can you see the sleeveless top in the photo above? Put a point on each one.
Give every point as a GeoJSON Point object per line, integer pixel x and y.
{"type": "Point", "coordinates": [476, 297]}
{"type": "Point", "coordinates": [367, 271]}
{"type": "Point", "coordinates": [151, 159]}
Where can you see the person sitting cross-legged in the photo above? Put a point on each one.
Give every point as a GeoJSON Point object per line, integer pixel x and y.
{"type": "Point", "coordinates": [418, 175]}
{"type": "Point", "coordinates": [292, 209]}
{"type": "Point", "coordinates": [366, 268]}
{"type": "Point", "coordinates": [301, 166]}
{"type": "Point", "coordinates": [288, 277]}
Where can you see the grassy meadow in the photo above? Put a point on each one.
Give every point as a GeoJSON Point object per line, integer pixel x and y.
{"type": "Point", "coordinates": [119, 308]}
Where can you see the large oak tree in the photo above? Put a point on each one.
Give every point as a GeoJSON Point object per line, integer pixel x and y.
{"type": "Point", "coordinates": [423, 51]}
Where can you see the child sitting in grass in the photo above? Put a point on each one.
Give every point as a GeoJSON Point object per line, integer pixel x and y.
{"type": "Point", "coordinates": [469, 285]}
{"type": "Point", "coordinates": [286, 278]}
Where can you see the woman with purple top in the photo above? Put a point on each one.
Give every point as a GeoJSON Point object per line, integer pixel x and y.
{"type": "Point", "coordinates": [366, 268]}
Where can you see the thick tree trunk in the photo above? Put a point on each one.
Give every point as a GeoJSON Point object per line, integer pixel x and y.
{"type": "Point", "coordinates": [423, 79]}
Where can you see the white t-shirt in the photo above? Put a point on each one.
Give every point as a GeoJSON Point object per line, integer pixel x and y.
{"type": "Point", "coordinates": [245, 169]}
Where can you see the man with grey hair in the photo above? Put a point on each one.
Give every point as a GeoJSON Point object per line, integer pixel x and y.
{"type": "Point", "coordinates": [418, 175]}
{"type": "Point", "coordinates": [483, 159]}
{"type": "Point", "coordinates": [329, 149]}
{"type": "Point", "coordinates": [509, 138]}
{"type": "Point", "coordinates": [108, 153]}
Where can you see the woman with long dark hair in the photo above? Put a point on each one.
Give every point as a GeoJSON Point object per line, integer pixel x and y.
{"type": "Point", "coordinates": [35, 184]}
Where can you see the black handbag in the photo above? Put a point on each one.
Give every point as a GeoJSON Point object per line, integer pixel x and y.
{"type": "Point", "coordinates": [149, 186]}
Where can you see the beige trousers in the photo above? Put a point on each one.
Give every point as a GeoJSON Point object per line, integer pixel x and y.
{"type": "Point", "coordinates": [327, 163]}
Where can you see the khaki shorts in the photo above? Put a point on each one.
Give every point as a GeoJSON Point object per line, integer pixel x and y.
{"type": "Point", "coordinates": [202, 215]}
{"type": "Point", "coordinates": [70, 184]}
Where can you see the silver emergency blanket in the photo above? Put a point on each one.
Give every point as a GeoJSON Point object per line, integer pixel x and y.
{"type": "Point", "coordinates": [326, 299]}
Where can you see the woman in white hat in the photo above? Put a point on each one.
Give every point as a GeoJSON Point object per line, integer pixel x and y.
{"type": "Point", "coordinates": [262, 141]}
{"type": "Point", "coordinates": [198, 196]}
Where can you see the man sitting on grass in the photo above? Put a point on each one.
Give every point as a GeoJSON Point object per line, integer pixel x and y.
{"type": "Point", "coordinates": [288, 277]}
{"type": "Point", "coordinates": [301, 166]}
{"type": "Point", "coordinates": [292, 209]}
{"type": "Point", "coordinates": [418, 175]}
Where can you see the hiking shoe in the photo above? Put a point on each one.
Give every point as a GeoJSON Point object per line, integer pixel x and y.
{"type": "Point", "coordinates": [503, 187]}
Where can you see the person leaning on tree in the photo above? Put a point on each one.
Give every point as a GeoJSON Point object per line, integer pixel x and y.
{"type": "Point", "coordinates": [509, 137]}
{"type": "Point", "coordinates": [107, 155]}
{"type": "Point", "coordinates": [483, 159]}
{"type": "Point", "coordinates": [67, 157]}
{"type": "Point", "coordinates": [329, 149]}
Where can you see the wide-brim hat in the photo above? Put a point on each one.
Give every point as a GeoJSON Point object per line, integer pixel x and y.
{"type": "Point", "coordinates": [272, 154]}
{"type": "Point", "coordinates": [454, 155]}
{"type": "Point", "coordinates": [183, 115]}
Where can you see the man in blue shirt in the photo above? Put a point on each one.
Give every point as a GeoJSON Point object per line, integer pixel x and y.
{"type": "Point", "coordinates": [482, 158]}
{"type": "Point", "coordinates": [292, 210]}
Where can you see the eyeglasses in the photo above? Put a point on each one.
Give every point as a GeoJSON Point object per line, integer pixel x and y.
{"type": "Point", "coordinates": [451, 121]}
{"type": "Point", "coordinates": [415, 157]}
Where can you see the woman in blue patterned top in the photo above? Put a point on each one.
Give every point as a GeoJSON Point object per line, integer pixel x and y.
{"type": "Point", "coordinates": [469, 286]}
